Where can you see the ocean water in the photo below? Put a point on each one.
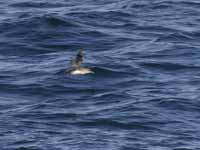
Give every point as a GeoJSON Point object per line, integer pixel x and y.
{"type": "Point", "coordinates": [144, 94]}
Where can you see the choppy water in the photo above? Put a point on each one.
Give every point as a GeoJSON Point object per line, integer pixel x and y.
{"type": "Point", "coordinates": [144, 94]}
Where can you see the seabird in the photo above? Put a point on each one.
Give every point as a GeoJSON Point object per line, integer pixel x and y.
{"type": "Point", "coordinates": [76, 65]}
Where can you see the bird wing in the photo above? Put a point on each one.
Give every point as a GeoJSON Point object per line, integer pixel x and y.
{"type": "Point", "coordinates": [78, 60]}
{"type": "Point", "coordinates": [79, 57]}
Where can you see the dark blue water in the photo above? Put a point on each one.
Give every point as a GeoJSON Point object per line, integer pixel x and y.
{"type": "Point", "coordinates": [144, 94]}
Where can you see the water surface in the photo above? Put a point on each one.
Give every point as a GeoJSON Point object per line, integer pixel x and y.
{"type": "Point", "coordinates": [144, 94]}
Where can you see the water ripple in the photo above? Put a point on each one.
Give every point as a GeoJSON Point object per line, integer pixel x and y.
{"type": "Point", "coordinates": [145, 90]}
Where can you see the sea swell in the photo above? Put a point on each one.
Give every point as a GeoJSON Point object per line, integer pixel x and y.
{"type": "Point", "coordinates": [143, 95]}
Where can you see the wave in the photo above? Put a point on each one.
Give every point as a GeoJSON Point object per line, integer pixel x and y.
{"type": "Point", "coordinates": [37, 5]}
{"type": "Point", "coordinates": [167, 66]}
{"type": "Point", "coordinates": [107, 123]}
{"type": "Point", "coordinates": [145, 55]}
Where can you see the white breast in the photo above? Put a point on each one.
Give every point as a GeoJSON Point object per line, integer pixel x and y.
{"type": "Point", "coordinates": [81, 71]}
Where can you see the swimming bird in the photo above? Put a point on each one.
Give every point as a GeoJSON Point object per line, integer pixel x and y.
{"type": "Point", "coordinates": [76, 65]}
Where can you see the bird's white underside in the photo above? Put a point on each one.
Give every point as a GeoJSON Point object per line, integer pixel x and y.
{"type": "Point", "coordinates": [82, 71]}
